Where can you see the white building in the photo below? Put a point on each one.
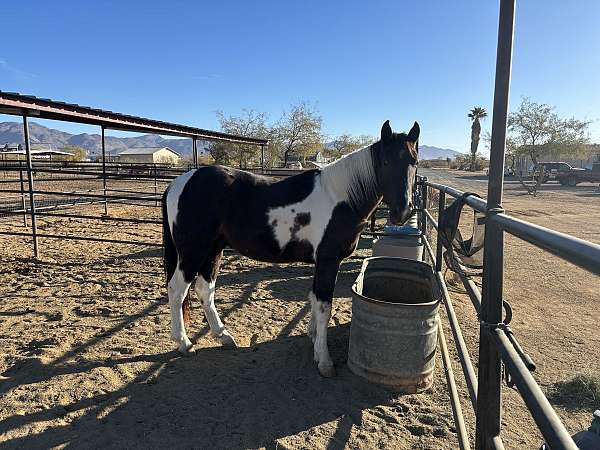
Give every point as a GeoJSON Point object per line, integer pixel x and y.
{"type": "Point", "coordinates": [149, 155]}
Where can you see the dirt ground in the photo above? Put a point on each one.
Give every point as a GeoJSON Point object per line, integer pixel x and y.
{"type": "Point", "coordinates": [555, 304]}
{"type": "Point", "coordinates": [87, 361]}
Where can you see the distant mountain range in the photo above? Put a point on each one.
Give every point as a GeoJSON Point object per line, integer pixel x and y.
{"type": "Point", "coordinates": [425, 152]}
{"type": "Point", "coordinates": [12, 133]}
{"type": "Point", "coordinates": [430, 152]}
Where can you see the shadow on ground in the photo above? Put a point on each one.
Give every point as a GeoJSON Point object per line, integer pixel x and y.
{"type": "Point", "coordinates": [215, 399]}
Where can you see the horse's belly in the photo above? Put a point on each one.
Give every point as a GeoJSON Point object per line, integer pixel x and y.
{"type": "Point", "coordinates": [266, 249]}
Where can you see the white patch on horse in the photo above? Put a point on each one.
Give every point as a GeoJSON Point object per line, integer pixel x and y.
{"type": "Point", "coordinates": [175, 190]}
{"type": "Point", "coordinates": [343, 178]}
{"type": "Point", "coordinates": [332, 186]}
{"type": "Point", "coordinates": [205, 290]}
{"type": "Point", "coordinates": [177, 290]}
{"type": "Point", "coordinates": [285, 227]}
{"type": "Point", "coordinates": [320, 315]}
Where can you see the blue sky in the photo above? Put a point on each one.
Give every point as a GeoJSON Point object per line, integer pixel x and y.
{"type": "Point", "coordinates": [360, 62]}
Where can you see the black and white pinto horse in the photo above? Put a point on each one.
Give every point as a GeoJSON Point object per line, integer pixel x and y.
{"type": "Point", "coordinates": [314, 217]}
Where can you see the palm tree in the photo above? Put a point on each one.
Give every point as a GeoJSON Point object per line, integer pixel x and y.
{"type": "Point", "coordinates": [475, 114]}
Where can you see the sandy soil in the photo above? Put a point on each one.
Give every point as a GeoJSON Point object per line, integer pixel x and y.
{"type": "Point", "coordinates": [87, 361]}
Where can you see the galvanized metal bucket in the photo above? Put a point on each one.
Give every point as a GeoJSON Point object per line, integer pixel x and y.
{"type": "Point", "coordinates": [393, 333]}
{"type": "Point", "coordinates": [402, 242]}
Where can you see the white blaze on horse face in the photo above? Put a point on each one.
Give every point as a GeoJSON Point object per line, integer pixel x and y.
{"type": "Point", "coordinates": [319, 204]}
{"type": "Point", "coordinates": [175, 190]}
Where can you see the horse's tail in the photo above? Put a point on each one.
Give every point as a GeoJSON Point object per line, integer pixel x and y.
{"type": "Point", "coordinates": [170, 256]}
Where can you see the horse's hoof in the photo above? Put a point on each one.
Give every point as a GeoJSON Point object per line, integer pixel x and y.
{"type": "Point", "coordinates": [186, 348]}
{"type": "Point", "coordinates": [327, 370]}
{"type": "Point", "coordinates": [227, 340]}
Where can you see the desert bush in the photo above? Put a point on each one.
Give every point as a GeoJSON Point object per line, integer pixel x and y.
{"type": "Point", "coordinates": [463, 162]}
{"type": "Point", "coordinates": [583, 390]}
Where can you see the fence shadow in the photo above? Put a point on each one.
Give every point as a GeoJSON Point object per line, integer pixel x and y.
{"type": "Point", "coordinates": [244, 398]}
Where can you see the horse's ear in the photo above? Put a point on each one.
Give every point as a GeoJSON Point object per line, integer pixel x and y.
{"type": "Point", "coordinates": [386, 131]}
{"type": "Point", "coordinates": [413, 134]}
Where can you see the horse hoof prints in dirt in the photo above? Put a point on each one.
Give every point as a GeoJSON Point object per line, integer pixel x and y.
{"type": "Point", "coordinates": [314, 217]}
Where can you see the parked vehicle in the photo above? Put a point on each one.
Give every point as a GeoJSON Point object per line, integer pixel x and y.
{"type": "Point", "coordinates": [552, 169]}
{"type": "Point", "coordinates": [508, 172]}
{"type": "Point", "coordinates": [549, 170]}
{"type": "Point", "coordinates": [574, 175]}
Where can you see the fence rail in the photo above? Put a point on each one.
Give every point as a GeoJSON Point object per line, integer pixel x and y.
{"type": "Point", "coordinates": [497, 344]}
{"type": "Point", "coordinates": [518, 364]}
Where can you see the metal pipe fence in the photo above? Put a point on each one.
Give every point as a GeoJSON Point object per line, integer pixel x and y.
{"type": "Point", "coordinates": [497, 344]}
{"type": "Point", "coordinates": [44, 202]}
{"type": "Point", "coordinates": [579, 252]}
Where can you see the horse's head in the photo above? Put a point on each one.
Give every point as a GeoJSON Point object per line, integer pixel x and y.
{"type": "Point", "coordinates": [396, 166]}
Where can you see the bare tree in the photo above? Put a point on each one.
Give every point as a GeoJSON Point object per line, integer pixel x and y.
{"type": "Point", "coordinates": [220, 152]}
{"type": "Point", "coordinates": [343, 144]}
{"type": "Point", "coordinates": [250, 123]}
{"type": "Point", "coordinates": [298, 131]}
{"type": "Point", "coordinates": [77, 153]}
{"type": "Point", "coordinates": [365, 139]}
{"type": "Point", "coordinates": [536, 131]}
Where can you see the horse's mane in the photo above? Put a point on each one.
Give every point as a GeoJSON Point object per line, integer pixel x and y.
{"type": "Point", "coordinates": [352, 178]}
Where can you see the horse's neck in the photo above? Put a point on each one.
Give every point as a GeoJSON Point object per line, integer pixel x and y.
{"type": "Point", "coordinates": [352, 179]}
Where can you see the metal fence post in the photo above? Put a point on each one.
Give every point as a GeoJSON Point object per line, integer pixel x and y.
{"type": "Point", "coordinates": [489, 403]}
{"type": "Point", "coordinates": [155, 185]}
{"type": "Point", "coordinates": [440, 247]}
{"type": "Point", "coordinates": [23, 204]}
{"type": "Point", "coordinates": [194, 153]}
{"type": "Point", "coordinates": [30, 184]}
{"type": "Point", "coordinates": [104, 173]}
{"type": "Point", "coordinates": [424, 201]}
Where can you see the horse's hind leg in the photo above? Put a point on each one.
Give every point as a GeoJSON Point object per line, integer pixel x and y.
{"type": "Point", "coordinates": [177, 289]}
{"type": "Point", "coordinates": [205, 290]}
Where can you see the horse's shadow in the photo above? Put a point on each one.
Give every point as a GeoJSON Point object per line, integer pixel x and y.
{"type": "Point", "coordinates": [217, 398]}
{"type": "Point", "coordinates": [289, 282]}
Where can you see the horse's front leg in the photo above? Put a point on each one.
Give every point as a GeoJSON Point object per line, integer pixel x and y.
{"type": "Point", "coordinates": [321, 299]}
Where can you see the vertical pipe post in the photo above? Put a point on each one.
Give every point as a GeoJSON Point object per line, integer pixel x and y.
{"type": "Point", "coordinates": [23, 204]}
{"type": "Point", "coordinates": [262, 158]}
{"type": "Point", "coordinates": [194, 153]}
{"type": "Point", "coordinates": [424, 200]}
{"type": "Point", "coordinates": [104, 172]}
{"type": "Point", "coordinates": [489, 404]}
{"type": "Point", "coordinates": [30, 184]}
{"type": "Point", "coordinates": [155, 186]}
{"type": "Point", "coordinates": [440, 247]}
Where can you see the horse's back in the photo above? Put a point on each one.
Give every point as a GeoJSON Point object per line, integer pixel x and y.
{"type": "Point", "coordinates": [232, 207]}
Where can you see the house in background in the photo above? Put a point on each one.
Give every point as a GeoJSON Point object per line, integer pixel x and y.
{"type": "Point", "coordinates": [312, 161]}
{"type": "Point", "coordinates": [16, 152]}
{"type": "Point", "coordinates": [149, 155]}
